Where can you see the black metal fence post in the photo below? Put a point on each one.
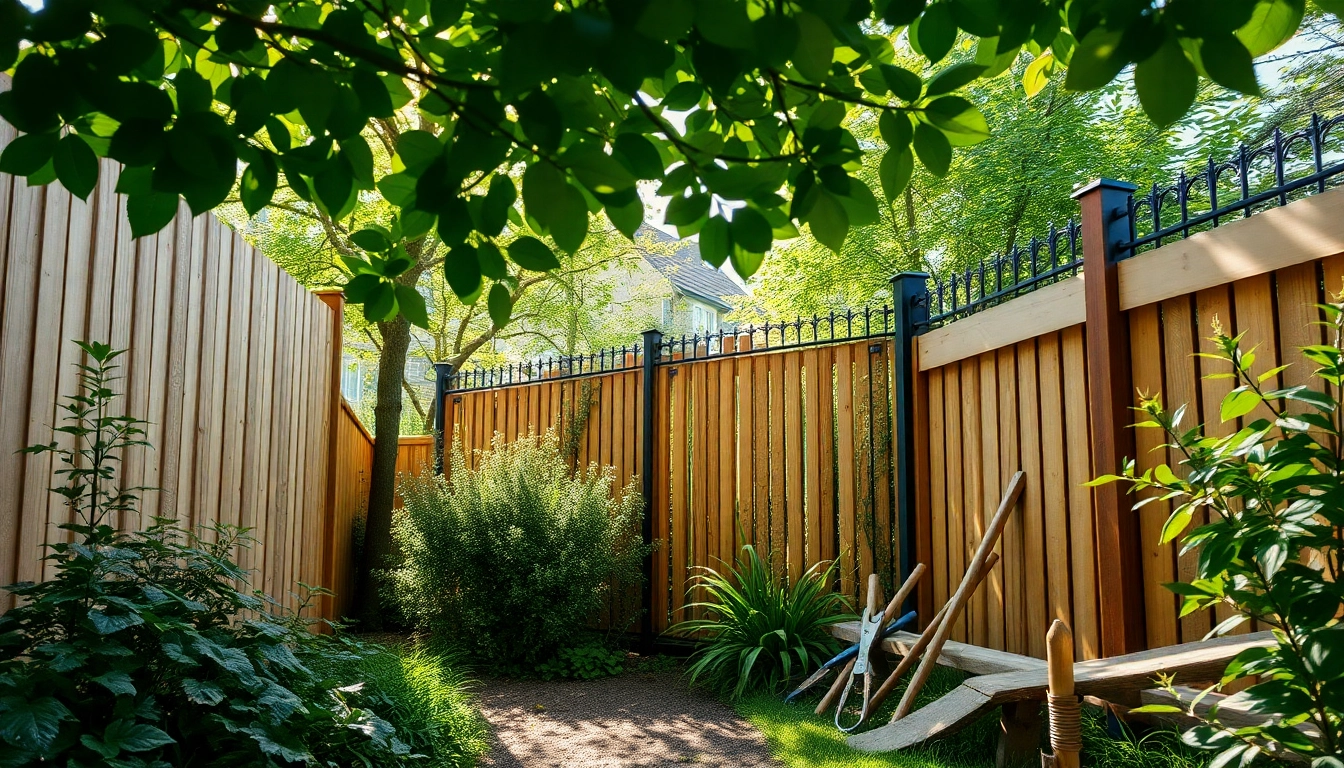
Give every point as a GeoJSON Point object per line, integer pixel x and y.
{"type": "Point", "coordinates": [653, 342]}
{"type": "Point", "coordinates": [442, 386]}
{"type": "Point", "coordinates": [910, 299]}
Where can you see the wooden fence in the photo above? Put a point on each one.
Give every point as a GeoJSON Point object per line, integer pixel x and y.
{"type": "Point", "coordinates": [230, 360]}
{"type": "Point", "coordinates": [792, 450]}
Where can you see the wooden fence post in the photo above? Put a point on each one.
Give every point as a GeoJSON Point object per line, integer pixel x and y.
{"type": "Point", "coordinates": [335, 299]}
{"type": "Point", "coordinates": [909, 293]}
{"type": "Point", "coordinates": [1106, 224]}
{"type": "Point", "coordinates": [443, 374]}
{"type": "Point", "coordinates": [653, 341]}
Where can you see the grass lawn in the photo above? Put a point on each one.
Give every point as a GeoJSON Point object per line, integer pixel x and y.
{"type": "Point", "coordinates": [800, 739]}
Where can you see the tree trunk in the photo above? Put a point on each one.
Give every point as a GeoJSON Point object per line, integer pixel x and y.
{"type": "Point", "coordinates": [383, 477]}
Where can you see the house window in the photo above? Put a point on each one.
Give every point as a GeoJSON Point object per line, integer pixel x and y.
{"type": "Point", "coordinates": [704, 320]}
{"type": "Point", "coordinates": [667, 313]}
{"type": "Point", "coordinates": [352, 381]}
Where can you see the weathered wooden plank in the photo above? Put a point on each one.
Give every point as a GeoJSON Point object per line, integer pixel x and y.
{"type": "Point", "coordinates": [826, 450]}
{"type": "Point", "coordinates": [1054, 477]}
{"type": "Point", "coordinates": [794, 469]}
{"type": "Point", "coordinates": [1082, 543]}
{"type": "Point", "coordinates": [955, 546]}
{"type": "Point", "coordinates": [679, 474]}
{"type": "Point", "coordinates": [661, 507]}
{"type": "Point", "coordinates": [1010, 545]}
{"type": "Point", "coordinates": [992, 588]}
{"type": "Point", "coordinates": [973, 659]}
{"type": "Point", "coordinates": [938, 560]}
{"type": "Point", "coordinates": [810, 454]}
{"type": "Point", "coordinates": [863, 457]}
{"type": "Point", "coordinates": [746, 502]}
{"type": "Point", "coordinates": [778, 548]}
{"type": "Point", "coordinates": [973, 491]}
{"type": "Point", "coordinates": [727, 441]}
{"type": "Point", "coordinates": [846, 520]}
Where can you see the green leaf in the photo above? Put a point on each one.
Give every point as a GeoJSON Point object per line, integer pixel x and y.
{"type": "Point", "coordinates": [599, 172]}
{"type": "Point", "coordinates": [1229, 64]}
{"type": "Point", "coordinates": [362, 288]}
{"type": "Point", "coordinates": [895, 171]}
{"type": "Point", "coordinates": [896, 130]}
{"type": "Point", "coordinates": [905, 84]}
{"type": "Point", "coordinates": [492, 261]}
{"type": "Point", "coordinates": [27, 154]}
{"type": "Point", "coordinates": [371, 240]}
{"type": "Point", "coordinates": [1037, 74]}
{"type": "Point", "coordinates": [203, 691]}
{"type": "Point", "coordinates": [1095, 61]}
{"type": "Point", "coordinates": [828, 221]}
{"type": "Point", "coordinates": [76, 165]}
{"type": "Point", "coordinates": [816, 47]}
{"type": "Point", "coordinates": [116, 681]}
{"type": "Point", "coordinates": [937, 31]}
{"type": "Point", "coordinates": [750, 230]}
{"type": "Point", "coordinates": [498, 201]}
{"type": "Point", "coordinates": [1166, 82]}
{"type": "Point", "coordinates": [135, 737]}
{"type": "Point", "coordinates": [933, 149]}
{"type": "Point", "coordinates": [684, 211]}
{"type": "Point", "coordinates": [530, 253]}
{"type": "Point", "coordinates": [828, 114]}
{"type": "Point", "coordinates": [462, 271]}
{"type": "Point", "coordinates": [683, 96]}
{"type": "Point", "coordinates": [901, 12]}
{"type": "Point", "coordinates": [1273, 23]}
{"type": "Point", "coordinates": [499, 305]}
{"type": "Point", "coordinates": [638, 154]}
{"type": "Point", "coordinates": [541, 121]}
{"type": "Point", "coordinates": [381, 304]}
{"type": "Point", "coordinates": [1176, 524]}
{"type": "Point", "coordinates": [953, 77]}
{"type": "Point", "coordinates": [959, 119]}
{"type": "Point", "coordinates": [257, 187]}
{"type": "Point", "coordinates": [416, 150]}
{"type": "Point", "coordinates": [715, 241]}
{"type": "Point", "coordinates": [557, 205]}
{"type": "Point", "coordinates": [745, 263]}
{"type": "Point", "coordinates": [150, 212]}
{"type": "Point", "coordinates": [32, 724]}
{"type": "Point", "coordinates": [1238, 403]}
{"type": "Point", "coordinates": [412, 305]}
{"type": "Point", "coordinates": [626, 218]}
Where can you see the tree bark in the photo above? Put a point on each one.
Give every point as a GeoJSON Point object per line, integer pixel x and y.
{"type": "Point", "coordinates": [367, 608]}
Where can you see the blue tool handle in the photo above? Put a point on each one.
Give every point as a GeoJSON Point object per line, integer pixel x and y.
{"type": "Point", "coordinates": [896, 626]}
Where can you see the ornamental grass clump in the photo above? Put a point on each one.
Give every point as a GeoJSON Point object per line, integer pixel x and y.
{"type": "Point", "coordinates": [511, 560]}
{"type": "Point", "coordinates": [1266, 504]}
{"type": "Point", "coordinates": [760, 631]}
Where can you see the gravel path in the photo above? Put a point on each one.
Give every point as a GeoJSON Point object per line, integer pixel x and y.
{"type": "Point", "coordinates": [636, 720]}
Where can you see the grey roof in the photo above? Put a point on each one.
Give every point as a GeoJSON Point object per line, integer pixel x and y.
{"type": "Point", "coordinates": [689, 274]}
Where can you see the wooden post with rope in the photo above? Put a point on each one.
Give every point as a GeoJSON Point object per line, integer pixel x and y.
{"type": "Point", "coordinates": [1066, 740]}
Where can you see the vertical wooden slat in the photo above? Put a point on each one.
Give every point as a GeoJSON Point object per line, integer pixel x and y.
{"type": "Point", "coordinates": [661, 507]}
{"type": "Point", "coordinates": [1182, 389]}
{"type": "Point", "coordinates": [938, 561]}
{"type": "Point", "coordinates": [884, 526]}
{"type": "Point", "coordinates": [1213, 305]}
{"type": "Point", "coordinates": [746, 520]}
{"type": "Point", "coordinates": [760, 453]}
{"type": "Point", "coordinates": [707, 472]}
{"type": "Point", "coordinates": [846, 522]}
{"type": "Point", "coordinates": [1145, 334]}
{"type": "Point", "coordinates": [1298, 291]}
{"type": "Point", "coordinates": [1254, 305]}
{"type": "Point", "coordinates": [680, 468]}
{"type": "Point", "coordinates": [1082, 542]}
{"type": "Point", "coordinates": [989, 451]}
{"type": "Point", "coordinates": [1033, 509]}
{"type": "Point", "coordinates": [778, 461]}
{"type": "Point", "coordinates": [826, 449]}
{"type": "Point", "coordinates": [727, 440]}
{"type": "Point", "coordinates": [793, 438]}
{"type": "Point", "coordinates": [700, 476]}
{"type": "Point", "coordinates": [863, 460]}
{"type": "Point", "coordinates": [973, 491]}
{"type": "Point", "coordinates": [956, 498]}
{"type": "Point", "coordinates": [1014, 610]}
{"type": "Point", "coordinates": [810, 453]}
{"type": "Point", "coordinates": [1055, 479]}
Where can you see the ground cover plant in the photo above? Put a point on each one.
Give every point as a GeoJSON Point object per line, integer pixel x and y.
{"type": "Point", "coordinates": [147, 648]}
{"type": "Point", "coordinates": [1267, 508]}
{"type": "Point", "coordinates": [511, 560]}
{"type": "Point", "coordinates": [761, 631]}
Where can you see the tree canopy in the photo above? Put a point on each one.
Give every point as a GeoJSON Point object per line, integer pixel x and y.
{"type": "Point", "coordinates": [736, 110]}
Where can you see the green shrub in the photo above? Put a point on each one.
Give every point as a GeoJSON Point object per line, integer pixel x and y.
{"type": "Point", "coordinates": [1273, 494]}
{"type": "Point", "coordinates": [508, 561]}
{"type": "Point", "coordinates": [589, 661]}
{"type": "Point", "coordinates": [762, 632]}
{"type": "Point", "coordinates": [146, 648]}
{"type": "Point", "coordinates": [425, 697]}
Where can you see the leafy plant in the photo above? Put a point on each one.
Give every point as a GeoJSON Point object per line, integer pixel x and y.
{"type": "Point", "coordinates": [589, 661]}
{"type": "Point", "coordinates": [425, 695]}
{"type": "Point", "coordinates": [761, 631]}
{"type": "Point", "coordinates": [1273, 493]}
{"type": "Point", "coordinates": [145, 648]}
{"type": "Point", "coordinates": [510, 559]}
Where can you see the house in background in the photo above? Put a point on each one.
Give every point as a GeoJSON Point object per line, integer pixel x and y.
{"type": "Point", "coordinates": [674, 290]}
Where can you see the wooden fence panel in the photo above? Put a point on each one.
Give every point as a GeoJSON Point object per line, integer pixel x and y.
{"type": "Point", "coordinates": [228, 359]}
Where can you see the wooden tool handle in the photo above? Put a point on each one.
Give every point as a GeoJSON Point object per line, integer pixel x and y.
{"type": "Point", "coordinates": [963, 594]}
{"type": "Point", "coordinates": [1065, 719]}
{"type": "Point", "coordinates": [925, 638]}
{"type": "Point", "coordinates": [836, 688]}
{"type": "Point", "coordinates": [902, 594]}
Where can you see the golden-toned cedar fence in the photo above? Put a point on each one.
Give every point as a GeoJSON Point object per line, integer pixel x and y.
{"type": "Point", "coordinates": [1009, 387]}
{"type": "Point", "coordinates": [791, 448]}
{"type": "Point", "coordinates": [230, 361]}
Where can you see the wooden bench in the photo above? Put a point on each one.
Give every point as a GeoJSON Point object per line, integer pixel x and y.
{"type": "Point", "coordinates": [1008, 678]}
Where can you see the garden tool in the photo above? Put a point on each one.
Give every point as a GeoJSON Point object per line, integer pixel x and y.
{"type": "Point", "coordinates": [903, 623]}
{"type": "Point", "coordinates": [872, 628]}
